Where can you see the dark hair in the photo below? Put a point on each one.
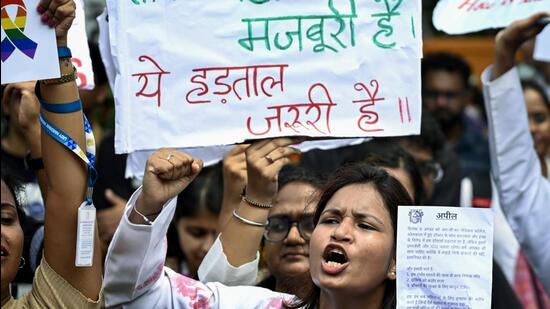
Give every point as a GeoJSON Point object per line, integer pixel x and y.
{"type": "Point", "coordinates": [205, 192]}
{"type": "Point", "coordinates": [386, 153]}
{"type": "Point", "coordinates": [298, 173]}
{"type": "Point", "coordinates": [533, 85]}
{"type": "Point", "coordinates": [431, 136]}
{"type": "Point", "coordinates": [447, 62]}
{"type": "Point", "coordinates": [15, 185]}
{"type": "Point", "coordinates": [393, 194]}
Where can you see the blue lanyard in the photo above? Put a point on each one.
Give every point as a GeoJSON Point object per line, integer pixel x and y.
{"type": "Point", "coordinates": [88, 157]}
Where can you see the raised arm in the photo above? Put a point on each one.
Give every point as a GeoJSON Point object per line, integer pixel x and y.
{"type": "Point", "coordinates": [242, 234]}
{"type": "Point", "coordinates": [234, 181]}
{"type": "Point", "coordinates": [524, 194]}
{"type": "Point", "coordinates": [510, 39]}
{"type": "Point", "coordinates": [136, 256]}
{"type": "Point", "coordinates": [66, 172]}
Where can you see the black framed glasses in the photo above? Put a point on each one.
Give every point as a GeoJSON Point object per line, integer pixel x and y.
{"type": "Point", "coordinates": [278, 227]}
{"type": "Point", "coordinates": [432, 168]}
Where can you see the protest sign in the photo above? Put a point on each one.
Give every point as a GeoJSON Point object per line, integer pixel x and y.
{"type": "Point", "coordinates": [78, 43]}
{"type": "Point", "coordinates": [542, 45]}
{"type": "Point", "coordinates": [195, 73]}
{"type": "Point", "coordinates": [464, 16]}
{"type": "Point", "coordinates": [29, 50]}
{"type": "Point", "coordinates": [444, 257]}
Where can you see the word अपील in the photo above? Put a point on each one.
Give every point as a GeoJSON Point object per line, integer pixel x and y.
{"type": "Point", "coordinates": [314, 33]}
{"type": "Point", "coordinates": [252, 81]}
{"type": "Point", "coordinates": [446, 216]}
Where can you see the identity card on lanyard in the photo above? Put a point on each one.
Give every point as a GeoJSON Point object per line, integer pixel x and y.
{"type": "Point", "coordinates": [86, 211]}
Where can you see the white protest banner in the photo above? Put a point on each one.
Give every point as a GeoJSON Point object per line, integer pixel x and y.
{"type": "Point", "coordinates": [29, 50]}
{"type": "Point", "coordinates": [464, 16]}
{"type": "Point", "coordinates": [199, 73]}
{"type": "Point", "coordinates": [542, 45]}
{"type": "Point", "coordinates": [444, 257]}
{"type": "Point", "coordinates": [135, 163]}
{"type": "Point", "coordinates": [78, 43]}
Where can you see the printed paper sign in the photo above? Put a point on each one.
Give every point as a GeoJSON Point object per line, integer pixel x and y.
{"type": "Point", "coordinates": [444, 257]}
{"type": "Point", "coordinates": [200, 73]}
{"type": "Point", "coordinates": [542, 45]}
{"type": "Point", "coordinates": [78, 43]}
{"type": "Point", "coordinates": [29, 50]}
{"type": "Point", "coordinates": [464, 16]}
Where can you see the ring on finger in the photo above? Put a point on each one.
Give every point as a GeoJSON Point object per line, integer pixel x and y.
{"type": "Point", "coordinates": [269, 159]}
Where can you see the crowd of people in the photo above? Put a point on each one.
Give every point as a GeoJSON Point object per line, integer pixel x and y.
{"type": "Point", "coordinates": [269, 226]}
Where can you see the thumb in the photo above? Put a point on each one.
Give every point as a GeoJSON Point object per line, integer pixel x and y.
{"type": "Point", "coordinates": [113, 198]}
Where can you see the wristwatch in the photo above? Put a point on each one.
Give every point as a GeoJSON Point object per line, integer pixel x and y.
{"type": "Point", "coordinates": [33, 164]}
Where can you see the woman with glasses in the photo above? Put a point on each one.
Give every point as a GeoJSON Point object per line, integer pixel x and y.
{"type": "Point", "coordinates": [285, 246]}
{"type": "Point", "coordinates": [351, 250]}
{"type": "Point", "coordinates": [290, 221]}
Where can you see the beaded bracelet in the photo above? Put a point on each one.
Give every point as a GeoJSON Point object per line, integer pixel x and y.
{"type": "Point", "coordinates": [61, 80]}
{"type": "Point", "coordinates": [254, 203]}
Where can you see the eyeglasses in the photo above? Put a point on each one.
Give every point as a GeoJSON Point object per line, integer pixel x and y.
{"type": "Point", "coordinates": [431, 168]}
{"type": "Point", "coordinates": [278, 227]}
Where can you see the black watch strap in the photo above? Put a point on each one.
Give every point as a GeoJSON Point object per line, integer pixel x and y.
{"type": "Point", "coordinates": [33, 164]}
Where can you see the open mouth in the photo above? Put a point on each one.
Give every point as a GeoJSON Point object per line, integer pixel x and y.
{"type": "Point", "coordinates": [335, 259]}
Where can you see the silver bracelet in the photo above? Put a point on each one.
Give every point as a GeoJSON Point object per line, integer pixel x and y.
{"type": "Point", "coordinates": [144, 217]}
{"type": "Point", "coordinates": [246, 221]}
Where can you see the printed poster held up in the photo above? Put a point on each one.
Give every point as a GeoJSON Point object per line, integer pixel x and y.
{"type": "Point", "coordinates": [29, 50]}
{"type": "Point", "coordinates": [195, 73]}
{"type": "Point", "coordinates": [465, 16]}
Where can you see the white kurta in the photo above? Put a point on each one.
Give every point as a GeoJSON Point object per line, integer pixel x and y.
{"type": "Point", "coordinates": [216, 268]}
{"type": "Point", "coordinates": [523, 192]}
{"type": "Point", "coordinates": [135, 276]}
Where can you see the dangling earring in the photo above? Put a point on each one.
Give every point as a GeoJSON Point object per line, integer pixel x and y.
{"type": "Point", "coordinates": [21, 262]}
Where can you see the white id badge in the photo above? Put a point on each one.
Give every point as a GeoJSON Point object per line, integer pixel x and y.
{"type": "Point", "coordinates": [85, 235]}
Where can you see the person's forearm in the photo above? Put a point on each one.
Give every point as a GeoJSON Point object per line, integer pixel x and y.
{"type": "Point", "coordinates": [148, 209]}
{"type": "Point", "coordinates": [67, 184]}
{"type": "Point", "coordinates": [66, 172]}
{"type": "Point", "coordinates": [504, 60]}
{"type": "Point", "coordinates": [240, 241]}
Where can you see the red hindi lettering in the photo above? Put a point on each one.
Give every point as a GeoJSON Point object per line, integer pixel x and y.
{"type": "Point", "coordinates": [145, 77]}
{"type": "Point", "coordinates": [407, 110]}
{"type": "Point", "coordinates": [222, 81]}
{"type": "Point", "coordinates": [368, 118]}
{"type": "Point", "coordinates": [294, 120]}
